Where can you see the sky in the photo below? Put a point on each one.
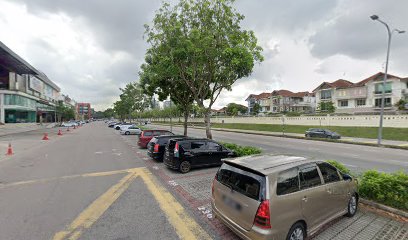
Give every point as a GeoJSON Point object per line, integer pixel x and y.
{"type": "Point", "coordinates": [92, 48]}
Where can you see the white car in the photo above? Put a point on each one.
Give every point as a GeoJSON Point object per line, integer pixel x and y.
{"type": "Point", "coordinates": [130, 129]}
{"type": "Point", "coordinates": [69, 124]}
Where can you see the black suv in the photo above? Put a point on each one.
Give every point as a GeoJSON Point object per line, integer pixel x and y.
{"type": "Point", "coordinates": [322, 133]}
{"type": "Point", "coordinates": [156, 146]}
{"type": "Point", "coordinates": [184, 154]}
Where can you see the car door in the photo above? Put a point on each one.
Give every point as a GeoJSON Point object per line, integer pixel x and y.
{"type": "Point", "coordinates": [336, 188]}
{"type": "Point", "coordinates": [198, 150]}
{"type": "Point", "coordinates": [215, 153]}
{"type": "Point", "coordinates": [314, 195]}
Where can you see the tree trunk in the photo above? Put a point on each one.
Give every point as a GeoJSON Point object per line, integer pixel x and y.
{"type": "Point", "coordinates": [185, 122]}
{"type": "Point", "coordinates": [207, 121]}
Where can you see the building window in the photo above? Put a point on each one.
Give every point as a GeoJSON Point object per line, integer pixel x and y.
{"type": "Point", "coordinates": [361, 102]}
{"type": "Point", "coordinates": [387, 102]}
{"type": "Point", "coordinates": [379, 88]}
{"type": "Point", "coordinates": [343, 103]}
{"type": "Point", "coordinates": [325, 94]}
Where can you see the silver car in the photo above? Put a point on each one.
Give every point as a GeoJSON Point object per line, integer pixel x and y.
{"type": "Point", "coordinates": [281, 197]}
{"type": "Point", "coordinates": [130, 129]}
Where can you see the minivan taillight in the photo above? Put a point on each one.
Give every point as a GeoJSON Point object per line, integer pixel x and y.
{"type": "Point", "coordinates": [263, 215]}
{"type": "Point", "coordinates": [176, 150]}
{"type": "Point", "coordinates": [156, 148]}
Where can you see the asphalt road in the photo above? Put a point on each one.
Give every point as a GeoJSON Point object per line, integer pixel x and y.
{"type": "Point", "coordinates": [81, 185]}
{"type": "Point", "coordinates": [355, 157]}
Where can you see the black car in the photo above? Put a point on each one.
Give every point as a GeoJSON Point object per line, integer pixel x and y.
{"type": "Point", "coordinates": [156, 146]}
{"type": "Point", "coordinates": [322, 133]}
{"type": "Point", "coordinates": [184, 154]}
{"type": "Point", "coordinates": [112, 124]}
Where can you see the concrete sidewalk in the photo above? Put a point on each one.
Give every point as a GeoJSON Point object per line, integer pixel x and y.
{"type": "Point", "coordinates": [344, 139]}
{"type": "Point", "coordinates": [13, 128]}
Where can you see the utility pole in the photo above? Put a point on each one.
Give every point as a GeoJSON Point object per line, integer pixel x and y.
{"type": "Point", "coordinates": [389, 32]}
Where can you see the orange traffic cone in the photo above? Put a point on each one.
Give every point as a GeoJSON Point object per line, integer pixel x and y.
{"type": "Point", "coordinates": [68, 129]}
{"type": "Point", "coordinates": [9, 150]}
{"type": "Point", "coordinates": [45, 137]}
{"type": "Point", "coordinates": [59, 132]}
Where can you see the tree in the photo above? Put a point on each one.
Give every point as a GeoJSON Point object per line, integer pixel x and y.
{"type": "Point", "coordinates": [108, 113]}
{"type": "Point", "coordinates": [157, 78]}
{"type": "Point", "coordinates": [134, 100]}
{"type": "Point", "coordinates": [64, 113]}
{"type": "Point", "coordinates": [202, 43]}
{"type": "Point", "coordinates": [327, 107]}
{"type": "Point", "coordinates": [233, 109]}
{"type": "Point", "coordinates": [256, 108]}
{"type": "Point", "coordinates": [401, 104]}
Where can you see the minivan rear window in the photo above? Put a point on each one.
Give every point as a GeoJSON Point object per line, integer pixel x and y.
{"type": "Point", "coordinates": [244, 182]}
{"type": "Point", "coordinates": [147, 134]}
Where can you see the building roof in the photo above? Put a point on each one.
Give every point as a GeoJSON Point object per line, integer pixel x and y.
{"type": "Point", "coordinates": [16, 63]}
{"type": "Point", "coordinates": [377, 76]}
{"type": "Point", "coordinates": [282, 92]}
{"type": "Point", "coordinates": [11, 60]}
{"type": "Point", "coordinates": [287, 93]}
{"type": "Point", "coordinates": [340, 83]}
{"type": "Point", "coordinates": [259, 96]}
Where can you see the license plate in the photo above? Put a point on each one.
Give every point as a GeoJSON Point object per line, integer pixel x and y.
{"type": "Point", "coordinates": [231, 203]}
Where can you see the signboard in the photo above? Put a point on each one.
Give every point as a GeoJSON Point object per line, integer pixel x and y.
{"type": "Point", "coordinates": [36, 84]}
{"type": "Point", "coordinates": [48, 91]}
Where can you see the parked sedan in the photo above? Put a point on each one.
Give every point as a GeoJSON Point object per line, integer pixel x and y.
{"type": "Point", "coordinates": [191, 153]}
{"type": "Point", "coordinates": [322, 133]}
{"type": "Point", "coordinates": [156, 146]}
{"type": "Point", "coordinates": [130, 129]}
{"type": "Point", "coordinates": [281, 197]}
{"type": "Point", "coordinates": [112, 124]}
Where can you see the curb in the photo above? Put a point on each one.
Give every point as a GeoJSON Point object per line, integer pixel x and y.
{"type": "Point", "coordinates": [395, 211]}
{"type": "Point", "coordinates": [299, 137]}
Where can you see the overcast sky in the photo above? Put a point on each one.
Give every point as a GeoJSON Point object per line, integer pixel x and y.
{"type": "Point", "coordinates": [91, 48]}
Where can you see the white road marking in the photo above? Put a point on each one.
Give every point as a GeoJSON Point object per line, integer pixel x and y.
{"type": "Point", "coordinates": [349, 165]}
{"type": "Point", "coordinates": [98, 152]}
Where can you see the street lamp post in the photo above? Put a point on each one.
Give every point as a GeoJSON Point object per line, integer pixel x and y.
{"type": "Point", "coordinates": [389, 32]}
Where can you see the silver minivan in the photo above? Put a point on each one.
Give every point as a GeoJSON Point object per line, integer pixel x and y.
{"type": "Point", "coordinates": [280, 197]}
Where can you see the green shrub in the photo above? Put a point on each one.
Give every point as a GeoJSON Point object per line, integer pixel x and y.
{"type": "Point", "coordinates": [242, 150]}
{"type": "Point", "coordinates": [387, 188]}
{"type": "Point", "coordinates": [339, 166]}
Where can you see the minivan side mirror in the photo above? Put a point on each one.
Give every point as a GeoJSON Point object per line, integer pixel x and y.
{"type": "Point", "coordinates": [347, 177]}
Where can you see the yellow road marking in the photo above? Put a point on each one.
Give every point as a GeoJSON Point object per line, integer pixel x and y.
{"type": "Point", "coordinates": [403, 145]}
{"type": "Point", "coordinates": [96, 209]}
{"type": "Point", "coordinates": [184, 225]}
{"type": "Point", "coordinates": [44, 180]}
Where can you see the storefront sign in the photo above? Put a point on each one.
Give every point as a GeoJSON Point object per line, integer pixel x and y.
{"type": "Point", "coordinates": [36, 84]}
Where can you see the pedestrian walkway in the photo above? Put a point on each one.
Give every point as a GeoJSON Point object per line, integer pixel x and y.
{"type": "Point", "coordinates": [13, 128]}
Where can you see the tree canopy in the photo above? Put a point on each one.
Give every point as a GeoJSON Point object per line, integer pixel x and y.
{"type": "Point", "coordinates": [202, 46]}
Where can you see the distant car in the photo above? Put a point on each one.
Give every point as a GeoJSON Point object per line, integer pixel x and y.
{"type": "Point", "coordinates": [119, 125]}
{"type": "Point", "coordinates": [69, 124]}
{"type": "Point", "coordinates": [111, 124]}
{"type": "Point", "coordinates": [321, 133]}
{"type": "Point", "coordinates": [130, 130]}
{"type": "Point", "coordinates": [156, 146]}
{"type": "Point", "coordinates": [147, 135]}
{"type": "Point", "coordinates": [190, 153]}
{"type": "Point", "coordinates": [281, 197]}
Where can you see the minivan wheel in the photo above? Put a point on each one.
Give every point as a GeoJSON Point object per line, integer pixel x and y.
{"type": "Point", "coordinates": [185, 167]}
{"type": "Point", "coordinates": [352, 206]}
{"type": "Point", "coordinates": [127, 133]}
{"type": "Point", "coordinates": [296, 232]}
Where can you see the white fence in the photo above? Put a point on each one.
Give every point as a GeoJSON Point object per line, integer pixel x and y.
{"type": "Point", "coordinates": [400, 121]}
